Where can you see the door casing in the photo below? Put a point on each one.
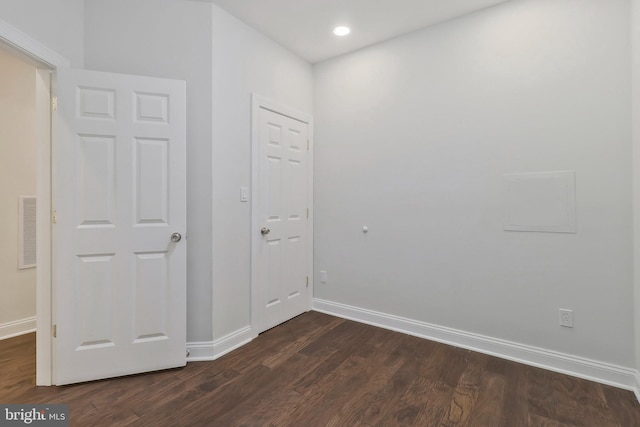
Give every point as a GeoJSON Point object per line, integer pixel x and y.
{"type": "Point", "coordinates": [258, 102]}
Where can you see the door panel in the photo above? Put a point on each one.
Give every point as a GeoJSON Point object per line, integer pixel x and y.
{"type": "Point", "coordinates": [119, 181]}
{"type": "Point", "coordinates": [280, 256]}
{"type": "Point", "coordinates": [151, 289]}
{"type": "Point", "coordinates": [151, 160]}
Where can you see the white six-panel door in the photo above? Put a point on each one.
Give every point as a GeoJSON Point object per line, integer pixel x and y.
{"type": "Point", "coordinates": [119, 181]}
{"type": "Point", "coordinates": [281, 219]}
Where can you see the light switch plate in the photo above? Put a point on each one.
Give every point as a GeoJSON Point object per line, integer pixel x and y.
{"type": "Point", "coordinates": [323, 276]}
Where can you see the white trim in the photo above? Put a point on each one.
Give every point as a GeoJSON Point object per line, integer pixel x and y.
{"type": "Point", "coordinates": [33, 48]}
{"type": "Point", "coordinates": [617, 376]}
{"type": "Point", "coordinates": [232, 341]}
{"type": "Point", "coordinates": [635, 138]}
{"type": "Point", "coordinates": [17, 327]}
{"type": "Point", "coordinates": [200, 351]}
{"type": "Point", "coordinates": [258, 102]}
{"type": "Point", "coordinates": [212, 350]}
{"type": "Point", "coordinates": [45, 131]}
{"type": "Point", "coordinates": [637, 385]}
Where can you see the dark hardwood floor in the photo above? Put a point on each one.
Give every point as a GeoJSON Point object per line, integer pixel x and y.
{"type": "Point", "coordinates": [318, 370]}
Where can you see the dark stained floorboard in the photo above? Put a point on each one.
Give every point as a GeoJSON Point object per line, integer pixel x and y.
{"type": "Point", "coordinates": [319, 370]}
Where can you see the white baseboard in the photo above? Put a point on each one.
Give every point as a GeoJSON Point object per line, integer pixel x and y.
{"type": "Point", "coordinates": [212, 350]}
{"type": "Point", "coordinates": [617, 376]}
{"type": "Point", "coordinates": [200, 351]}
{"type": "Point", "coordinates": [230, 342]}
{"type": "Point", "coordinates": [17, 327]}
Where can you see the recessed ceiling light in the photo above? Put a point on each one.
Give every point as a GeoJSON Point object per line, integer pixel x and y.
{"type": "Point", "coordinates": [341, 31]}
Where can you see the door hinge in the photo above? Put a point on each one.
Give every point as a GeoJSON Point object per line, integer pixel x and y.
{"type": "Point", "coordinates": [307, 213]}
{"type": "Point", "coordinates": [54, 217]}
{"type": "Point", "coordinates": [307, 145]}
{"type": "Point", "coordinates": [307, 281]}
{"type": "Point", "coordinates": [55, 331]}
{"type": "Point", "coordinates": [54, 103]}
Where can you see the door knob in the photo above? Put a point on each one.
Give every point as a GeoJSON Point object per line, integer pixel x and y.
{"type": "Point", "coordinates": [176, 237]}
{"type": "Point", "coordinates": [264, 231]}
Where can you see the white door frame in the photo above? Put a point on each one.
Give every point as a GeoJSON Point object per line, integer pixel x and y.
{"type": "Point", "coordinates": [258, 102]}
{"type": "Point", "coordinates": [47, 61]}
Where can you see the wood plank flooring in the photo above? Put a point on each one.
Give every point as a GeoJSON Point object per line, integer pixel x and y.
{"type": "Point", "coordinates": [319, 370]}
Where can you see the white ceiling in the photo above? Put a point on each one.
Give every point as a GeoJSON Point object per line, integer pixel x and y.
{"type": "Point", "coordinates": [305, 26]}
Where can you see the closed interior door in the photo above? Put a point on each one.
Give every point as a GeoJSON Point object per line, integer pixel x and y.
{"type": "Point", "coordinates": [119, 253]}
{"type": "Point", "coordinates": [281, 238]}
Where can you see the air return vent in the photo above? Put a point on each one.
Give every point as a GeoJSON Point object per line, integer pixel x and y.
{"type": "Point", "coordinates": [27, 232]}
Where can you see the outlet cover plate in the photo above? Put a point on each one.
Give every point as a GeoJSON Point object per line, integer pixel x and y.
{"type": "Point", "coordinates": [566, 318]}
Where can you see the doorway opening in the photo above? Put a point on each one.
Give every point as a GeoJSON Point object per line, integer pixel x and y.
{"type": "Point", "coordinates": [42, 61]}
{"type": "Point", "coordinates": [282, 218]}
{"type": "Point", "coordinates": [17, 181]}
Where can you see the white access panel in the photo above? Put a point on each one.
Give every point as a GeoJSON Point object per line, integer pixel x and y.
{"type": "Point", "coordinates": [542, 202]}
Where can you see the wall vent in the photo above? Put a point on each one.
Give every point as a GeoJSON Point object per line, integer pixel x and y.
{"type": "Point", "coordinates": [27, 232]}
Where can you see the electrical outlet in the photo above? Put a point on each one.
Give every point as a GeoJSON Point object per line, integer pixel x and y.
{"type": "Point", "coordinates": [566, 318]}
{"type": "Point", "coordinates": [323, 276]}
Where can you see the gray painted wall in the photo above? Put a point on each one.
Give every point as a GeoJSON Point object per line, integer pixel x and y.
{"type": "Point", "coordinates": [412, 139]}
